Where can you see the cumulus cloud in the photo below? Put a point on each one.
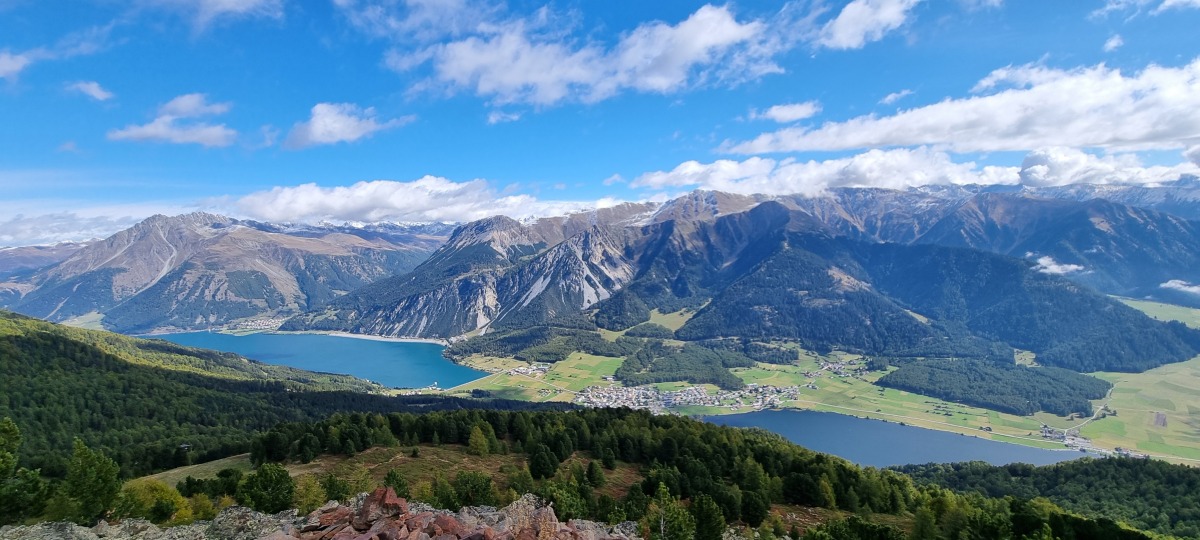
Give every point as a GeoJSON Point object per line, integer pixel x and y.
{"type": "Point", "coordinates": [171, 124]}
{"type": "Point", "coordinates": [896, 169]}
{"type": "Point", "coordinates": [429, 198]}
{"type": "Point", "coordinates": [205, 12]}
{"type": "Point", "coordinates": [1181, 285]}
{"type": "Point", "coordinates": [865, 21]}
{"type": "Point", "coordinates": [895, 96]}
{"type": "Point", "coordinates": [333, 123]}
{"type": "Point", "coordinates": [790, 112]}
{"type": "Point", "coordinates": [1113, 43]}
{"type": "Point", "coordinates": [535, 59]}
{"type": "Point", "coordinates": [1063, 166]}
{"type": "Point", "coordinates": [1023, 108]}
{"type": "Point", "coordinates": [91, 89]}
{"type": "Point", "coordinates": [1047, 265]}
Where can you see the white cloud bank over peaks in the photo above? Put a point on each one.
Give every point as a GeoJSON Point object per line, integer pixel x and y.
{"type": "Point", "coordinates": [901, 168]}
{"type": "Point", "coordinates": [430, 198]}
{"type": "Point", "coordinates": [865, 21]}
{"type": "Point", "coordinates": [1047, 265]}
{"type": "Point", "coordinates": [895, 169]}
{"type": "Point", "coordinates": [1024, 108]}
{"type": "Point", "coordinates": [168, 126]}
{"type": "Point", "coordinates": [333, 123]}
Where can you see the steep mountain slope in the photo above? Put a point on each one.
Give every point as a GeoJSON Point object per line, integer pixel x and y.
{"type": "Point", "coordinates": [202, 270]}
{"type": "Point", "coordinates": [770, 272]}
{"type": "Point", "coordinates": [1114, 248]}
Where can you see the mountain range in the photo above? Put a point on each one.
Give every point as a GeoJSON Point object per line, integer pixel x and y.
{"type": "Point", "coordinates": [202, 270]}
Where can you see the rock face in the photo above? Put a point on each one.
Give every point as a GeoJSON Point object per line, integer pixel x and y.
{"type": "Point", "coordinates": [380, 515]}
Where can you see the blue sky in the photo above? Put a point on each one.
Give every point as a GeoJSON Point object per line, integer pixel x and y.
{"type": "Point", "coordinates": [416, 110]}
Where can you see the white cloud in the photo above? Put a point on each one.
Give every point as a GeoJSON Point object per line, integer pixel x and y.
{"type": "Point", "coordinates": [80, 43]}
{"type": "Point", "coordinates": [1113, 43]}
{"type": "Point", "coordinates": [419, 20]}
{"type": "Point", "coordinates": [1137, 6]}
{"type": "Point", "coordinates": [91, 89]}
{"type": "Point", "coordinates": [12, 64]}
{"type": "Point", "coordinates": [332, 123]}
{"type": "Point", "coordinates": [904, 168]}
{"type": "Point", "coordinates": [1193, 155]}
{"type": "Point", "coordinates": [1030, 107]}
{"type": "Point", "coordinates": [517, 62]}
{"type": "Point", "coordinates": [166, 127]}
{"type": "Point", "coordinates": [865, 21]}
{"type": "Point", "coordinates": [895, 169]}
{"type": "Point", "coordinates": [23, 230]}
{"type": "Point", "coordinates": [205, 12]}
{"type": "Point", "coordinates": [1062, 166]}
{"type": "Point", "coordinates": [1177, 4]}
{"type": "Point", "coordinates": [895, 96]}
{"type": "Point", "coordinates": [429, 198]}
{"type": "Point", "coordinates": [790, 112]}
{"type": "Point", "coordinates": [1047, 265]}
{"type": "Point", "coordinates": [1181, 285]}
{"type": "Point", "coordinates": [500, 117]}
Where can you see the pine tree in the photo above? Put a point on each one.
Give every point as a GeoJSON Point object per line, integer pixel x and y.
{"type": "Point", "coordinates": [595, 476]}
{"type": "Point", "coordinates": [477, 443]}
{"type": "Point", "coordinates": [710, 522]}
{"type": "Point", "coordinates": [667, 519]}
{"type": "Point", "coordinates": [397, 482]}
{"type": "Point", "coordinates": [91, 482]}
{"type": "Point", "coordinates": [269, 489]}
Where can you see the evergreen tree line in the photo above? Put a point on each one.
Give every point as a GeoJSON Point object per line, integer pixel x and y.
{"type": "Point", "coordinates": [1148, 494]}
{"type": "Point", "coordinates": [740, 473]}
{"type": "Point", "coordinates": [1002, 387]}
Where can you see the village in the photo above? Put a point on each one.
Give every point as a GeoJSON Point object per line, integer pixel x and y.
{"type": "Point", "coordinates": [753, 397]}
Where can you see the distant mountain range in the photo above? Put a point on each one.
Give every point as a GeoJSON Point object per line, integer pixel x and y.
{"type": "Point", "coordinates": [498, 273]}
{"type": "Point", "coordinates": [201, 270]}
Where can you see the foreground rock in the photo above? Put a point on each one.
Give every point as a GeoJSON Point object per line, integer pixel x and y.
{"type": "Point", "coordinates": [380, 515]}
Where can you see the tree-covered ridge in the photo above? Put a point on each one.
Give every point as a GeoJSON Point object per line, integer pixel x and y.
{"type": "Point", "coordinates": [734, 473]}
{"type": "Point", "coordinates": [58, 387]}
{"type": "Point", "coordinates": [1002, 387]}
{"type": "Point", "coordinates": [170, 356]}
{"type": "Point", "coordinates": [1148, 494]}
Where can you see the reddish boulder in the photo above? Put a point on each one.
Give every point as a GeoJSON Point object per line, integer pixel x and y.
{"type": "Point", "coordinates": [381, 503]}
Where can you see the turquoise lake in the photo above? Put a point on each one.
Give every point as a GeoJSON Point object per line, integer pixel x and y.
{"type": "Point", "coordinates": [884, 444]}
{"type": "Point", "coordinates": [390, 363]}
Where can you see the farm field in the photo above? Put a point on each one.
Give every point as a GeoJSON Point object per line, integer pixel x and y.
{"type": "Point", "coordinates": [1165, 312]}
{"type": "Point", "coordinates": [1157, 410]}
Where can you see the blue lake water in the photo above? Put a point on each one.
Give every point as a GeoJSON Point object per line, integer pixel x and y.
{"type": "Point", "coordinates": [390, 363]}
{"type": "Point", "coordinates": [884, 444]}
{"type": "Point", "coordinates": [414, 365]}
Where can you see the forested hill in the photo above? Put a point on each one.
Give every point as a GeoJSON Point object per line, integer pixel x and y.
{"type": "Point", "coordinates": [140, 400]}
{"type": "Point", "coordinates": [720, 475]}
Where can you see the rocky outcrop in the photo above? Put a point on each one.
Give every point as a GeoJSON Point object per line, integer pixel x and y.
{"type": "Point", "coordinates": [380, 515]}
